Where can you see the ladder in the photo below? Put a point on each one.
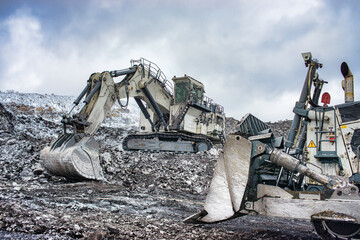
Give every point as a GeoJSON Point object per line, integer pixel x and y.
{"type": "Point", "coordinates": [179, 116]}
{"type": "Point", "coordinates": [326, 156]}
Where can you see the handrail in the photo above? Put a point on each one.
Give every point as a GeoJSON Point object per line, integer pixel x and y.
{"type": "Point", "coordinates": [207, 103]}
{"type": "Point", "coordinates": [154, 71]}
{"type": "Point", "coordinates": [176, 121]}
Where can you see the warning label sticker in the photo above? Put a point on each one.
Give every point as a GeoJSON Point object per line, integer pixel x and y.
{"type": "Point", "coordinates": [312, 144]}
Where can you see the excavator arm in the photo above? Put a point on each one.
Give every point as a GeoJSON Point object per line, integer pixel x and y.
{"type": "Point", "coordinates": [75, 153]}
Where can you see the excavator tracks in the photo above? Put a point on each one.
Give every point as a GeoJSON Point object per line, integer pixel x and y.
{"type": "Point", "coordinates": [167, 142]}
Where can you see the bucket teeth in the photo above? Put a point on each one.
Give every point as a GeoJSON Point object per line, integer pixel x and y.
{"type": "Point", "coordinates": [73, 159]}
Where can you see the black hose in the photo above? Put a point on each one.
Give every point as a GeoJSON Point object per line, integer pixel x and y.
{"type": "Point", "coordinates": [127, 98]}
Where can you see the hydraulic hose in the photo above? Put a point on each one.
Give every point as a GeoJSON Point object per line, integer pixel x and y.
{"type": "Point", "coordinates": [127, 97]}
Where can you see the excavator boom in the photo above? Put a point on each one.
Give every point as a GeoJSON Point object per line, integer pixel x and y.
{"type": "Point", "coordinates": [76, 154]}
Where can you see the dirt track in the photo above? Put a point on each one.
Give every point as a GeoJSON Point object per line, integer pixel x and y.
{"type": "Point", "coordinates": [77, 210]}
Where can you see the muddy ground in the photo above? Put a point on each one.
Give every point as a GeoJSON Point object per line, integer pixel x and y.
{"type": "Point", "coordinates": [146, 195]}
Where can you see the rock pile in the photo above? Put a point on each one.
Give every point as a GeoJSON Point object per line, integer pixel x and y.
{"type": "Point", "coordinates": [280, 128]}
{"type": "Point", "coordinates": [6, 120]}
{"type": "Point", "coordinates": [146, 195]}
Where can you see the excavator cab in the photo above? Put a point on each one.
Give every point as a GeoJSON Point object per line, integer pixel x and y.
{"type": "Point", "coordinates": [188, 89]}
{"type": "Point", "coordinates": [194, 112]}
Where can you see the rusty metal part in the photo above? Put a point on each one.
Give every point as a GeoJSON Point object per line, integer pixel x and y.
{"type": "Point", "coordinates": [348, 82]}
{"type": "Point", "coordinates": [333, 225]}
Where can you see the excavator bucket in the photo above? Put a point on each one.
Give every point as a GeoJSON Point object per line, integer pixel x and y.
{"type": "Point", "coordinates": [229, 182]}
{"type": "Point", "coordinates": [73, 156]}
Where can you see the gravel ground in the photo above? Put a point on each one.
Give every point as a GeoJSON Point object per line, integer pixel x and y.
{"type": "Point", "coordinates": [146, 195]}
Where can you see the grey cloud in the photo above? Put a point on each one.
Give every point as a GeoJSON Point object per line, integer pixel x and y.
{"type": "Point", "coordinates": [247, 53]}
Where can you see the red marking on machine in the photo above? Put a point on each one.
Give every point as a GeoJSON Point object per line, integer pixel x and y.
{"type": "Point", "coordinates": [325, 98]}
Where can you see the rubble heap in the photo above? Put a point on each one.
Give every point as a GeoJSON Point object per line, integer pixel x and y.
{"type": "Point", "coordinates": [145, 195]}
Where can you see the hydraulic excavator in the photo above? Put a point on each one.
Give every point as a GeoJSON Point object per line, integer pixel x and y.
{"type": "Point", "coordinates": [313, 175]}
{"type": "Point", "coordinates": [181, 120]}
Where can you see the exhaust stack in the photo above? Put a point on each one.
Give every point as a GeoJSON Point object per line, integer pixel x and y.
{"type": "Point", "coordinates": [347, 83]}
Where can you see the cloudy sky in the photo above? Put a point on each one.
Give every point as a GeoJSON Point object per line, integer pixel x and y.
{"type": "Point", "coordinates": [247, 53]}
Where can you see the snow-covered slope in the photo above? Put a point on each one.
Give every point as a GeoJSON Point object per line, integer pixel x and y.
{"type": "Point", "coordinates": [52, 107]}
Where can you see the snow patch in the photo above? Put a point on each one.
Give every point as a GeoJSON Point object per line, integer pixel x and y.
{"type": "Point", "coordinates": [53, 107]}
